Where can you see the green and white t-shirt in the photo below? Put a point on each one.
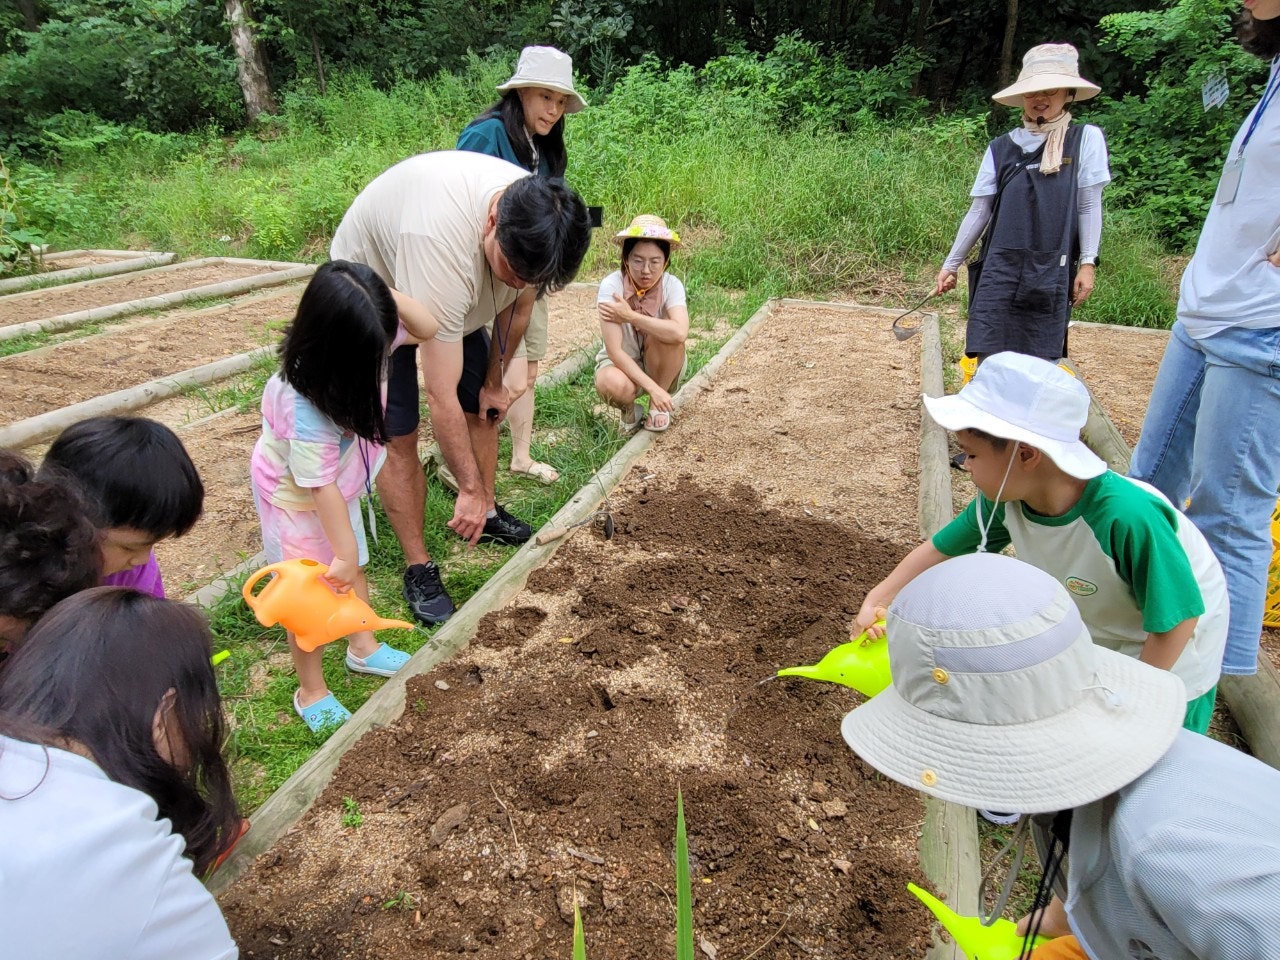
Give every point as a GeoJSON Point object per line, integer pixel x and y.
{"type": "Point", "coordinates": [1133, 564]}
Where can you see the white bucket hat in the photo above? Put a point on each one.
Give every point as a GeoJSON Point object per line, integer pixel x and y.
{"type": "Point", "coordinates": [1001, 701]}
{"type": "Point", "coordinates": [546, 67]}
{"type": "Point", "coordinates": [1050, 66]}
{"type": "Point", "coordinates": [1027, 399]}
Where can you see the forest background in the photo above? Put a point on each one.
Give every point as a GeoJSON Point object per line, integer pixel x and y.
{"type": "Point", "coordinates": [805, 146]}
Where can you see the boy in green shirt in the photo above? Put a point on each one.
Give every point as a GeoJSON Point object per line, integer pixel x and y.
{"type": "Point", "coordinates": [1143, 577]}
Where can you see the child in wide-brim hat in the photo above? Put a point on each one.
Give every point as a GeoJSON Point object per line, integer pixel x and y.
{"type": "Point", "coordinates": [1001, 700]}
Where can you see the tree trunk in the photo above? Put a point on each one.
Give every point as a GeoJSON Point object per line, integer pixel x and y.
{"type": "Point", "coordinates": [30, 22]}
{"type": "Point", "coordinates": [1006, 48]}
{"type": "Point", "coordinates": [251, 64]}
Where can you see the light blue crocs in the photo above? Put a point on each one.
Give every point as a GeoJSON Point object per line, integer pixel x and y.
{"type": "Point", "coordinates": [383, 662]}
{"type": "Point", "coordinates": [325, 712]}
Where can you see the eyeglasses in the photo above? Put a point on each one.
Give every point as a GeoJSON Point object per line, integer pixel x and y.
{"type": "Point", "coordinates": [639, 263]}
{"type": "Point", "coordinates": [1042, 93]}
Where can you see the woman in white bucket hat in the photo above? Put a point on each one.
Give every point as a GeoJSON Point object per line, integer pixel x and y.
{"type": "Point", "coordinates": [1037, 206]}
{"type": "Point", "coordinates": [526, 127]}
{"type": "Point", "coordinates": [1000, 699]}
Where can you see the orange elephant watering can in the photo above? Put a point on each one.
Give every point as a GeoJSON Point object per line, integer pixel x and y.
{"type": "Point", "coordinates": [305, 605]}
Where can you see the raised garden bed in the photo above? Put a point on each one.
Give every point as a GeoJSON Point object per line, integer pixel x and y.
{"type": "Point", "coordinates": [73, 265]}
{"type": "Point", "coordinates": [65, 307]}
{"type": "Point", "coordinates": [545, 757]}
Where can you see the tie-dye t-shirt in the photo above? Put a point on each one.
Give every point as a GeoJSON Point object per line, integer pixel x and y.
{"type": "Point", "coordinates": [301, 449]}
{"type": "Point", "coordinates": [145, 578]}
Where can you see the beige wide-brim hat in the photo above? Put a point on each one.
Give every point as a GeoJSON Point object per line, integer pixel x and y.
{"type": "Point", "coordinates": [546, 67]}
{"type": "Point", "coordinates": [648, 227]}
{"type": "Point", "coordinates": [1001, 701]}
{"type": "Point", "coordinates": [1050, 66]}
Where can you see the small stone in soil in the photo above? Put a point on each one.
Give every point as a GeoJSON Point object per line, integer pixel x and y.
{"type": "Point", "coordinates": [441, 685]}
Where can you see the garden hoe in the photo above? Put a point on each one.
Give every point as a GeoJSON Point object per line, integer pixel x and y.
{"type": "Point", "coordinates": [904, 332]}
{"type": "Point", "coordinates": [862, 664]}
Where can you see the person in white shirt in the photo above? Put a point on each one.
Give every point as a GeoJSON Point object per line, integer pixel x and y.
{"type": "Point", "coordinates": [114, 795]}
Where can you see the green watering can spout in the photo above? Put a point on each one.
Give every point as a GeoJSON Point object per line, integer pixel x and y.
{"type": "Point", "coordinates": [862, 664]}
{"type": "Point", "coordinates": [1000, 941]}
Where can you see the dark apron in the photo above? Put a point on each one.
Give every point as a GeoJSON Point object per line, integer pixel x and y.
{"type": "Point", "coordinates": [1021, 298]}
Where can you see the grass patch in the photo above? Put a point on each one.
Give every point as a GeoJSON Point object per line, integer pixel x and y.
{"type": "Point", "coordinates": [268, 742]}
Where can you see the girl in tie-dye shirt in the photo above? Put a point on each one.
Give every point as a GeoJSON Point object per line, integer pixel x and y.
{"type": "Point", "coordinates": [321, 447]}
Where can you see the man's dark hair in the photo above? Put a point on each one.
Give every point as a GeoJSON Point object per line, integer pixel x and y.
{"type": "Point", "coordinates": [1259, 37]}
{"type": "Point", "coordinates": [134, 472]}
{"type": "Point", "coordinates": [544, 231]}
{"type": "Point", "coordinates": [95, 669]}
{"type": "Point", "coordinates": [48, 542]}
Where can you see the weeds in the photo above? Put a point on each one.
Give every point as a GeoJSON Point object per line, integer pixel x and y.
{"type": "Point", "coordinates": [353, 818]}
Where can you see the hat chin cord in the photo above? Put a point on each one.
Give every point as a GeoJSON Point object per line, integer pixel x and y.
{"type": "Point", "coordinates": [984, 529]}
{"type": "Point", "coordinates": [1015, 848]}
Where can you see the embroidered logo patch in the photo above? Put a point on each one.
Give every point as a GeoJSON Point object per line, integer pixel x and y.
{"type": "Point", "coordinates": [1081, 587]}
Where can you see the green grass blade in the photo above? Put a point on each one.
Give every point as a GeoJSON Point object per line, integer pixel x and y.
{"type": "Point", "coordinates": [579, 939]}
{"type": "Point", "coordinates": [684, 892]}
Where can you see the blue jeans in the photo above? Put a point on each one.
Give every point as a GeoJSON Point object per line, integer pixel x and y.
{"type": "Point", "coordinates": [1212, 433]}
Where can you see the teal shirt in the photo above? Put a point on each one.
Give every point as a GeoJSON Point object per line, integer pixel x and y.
{"type": "Point", "coordinates": [1133, 564]}
{"type": "Point", "coordinates": [490, 137]}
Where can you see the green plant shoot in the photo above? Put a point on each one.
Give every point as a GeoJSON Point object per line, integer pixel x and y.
{"type": "Point", "coordinates": [684, 892]}
{"type": "Point", "coordinates": [579, 939]}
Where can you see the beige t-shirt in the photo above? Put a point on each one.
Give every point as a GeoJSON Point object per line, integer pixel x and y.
{"type": "Point", "coordinates": [420, 226]}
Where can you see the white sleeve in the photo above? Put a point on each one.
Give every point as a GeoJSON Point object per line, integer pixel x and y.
{"type": "Point", "coordinates": [673, 294]}
{"type": "Point", "coordinates": [1094, 166]}
{"type": "Point", "coordinates": [1089, 211]}
{"type": "Point", "coordinates": [985, 183]}
{"type": "Point", "coordinates": [609, 286]}
{"type": "Point", "coordinates": [971, 227]}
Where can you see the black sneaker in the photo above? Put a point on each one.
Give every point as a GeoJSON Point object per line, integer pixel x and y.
{"type": "Point", "coordinates": [426, 595]}
{"type": "Point", "coordinates": [505, 529]}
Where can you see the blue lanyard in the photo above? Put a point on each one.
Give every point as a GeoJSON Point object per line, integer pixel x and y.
{"type": "Point", "coordinates": [1272, 87]}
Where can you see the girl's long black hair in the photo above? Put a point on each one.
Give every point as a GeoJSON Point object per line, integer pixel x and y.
{"type": "Point", "coordinates": [511, 113]}
{"type": "Point", "coordinates": [95, 669]}
{"type": "Point", "coordinates": [1260, 37]}
{"type": "Point", "coordinates": [335, 351]}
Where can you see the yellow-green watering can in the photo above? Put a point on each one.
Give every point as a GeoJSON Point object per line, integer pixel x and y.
{"type": "Point", "coordinates": [862, 663]}
{"type": "Point", "coordinates": [1000, 941]}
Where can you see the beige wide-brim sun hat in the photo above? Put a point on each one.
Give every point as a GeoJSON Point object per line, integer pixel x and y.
{"type": "Point", "coordinates": [1001, 701]}
{"type": "Point", "coordinates": [546, 67]}
{"type": "Point", "coordinates": [1050, 66]}
{"type": "Point", "coordinates": [648, 227]}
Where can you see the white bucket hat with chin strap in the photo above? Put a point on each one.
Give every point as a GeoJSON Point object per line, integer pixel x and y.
{"type": "Point", "coordinates": [1000, 700]}
{"type": "Point", "coordinates": [1050, 66]}
{"type": "Point", "coordinates": [546, 67]}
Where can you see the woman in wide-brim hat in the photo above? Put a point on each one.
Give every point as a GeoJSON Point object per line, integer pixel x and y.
{"type": "Point", "coordinates": [526, 127]}
{"type": "Point", "coordinates": [1001, 700]}
{"type": "Point", "coordinates": [1037, 207]}
{"type": "Point", "coordinates": [644, 323]}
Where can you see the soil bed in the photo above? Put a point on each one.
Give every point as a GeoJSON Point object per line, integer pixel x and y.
{"type": "Point", "coordinates": [56, 301]}
{"type": "Point", "coordinates": [38, 381]}
{"type": "Point", "coordinates": [546, 757]}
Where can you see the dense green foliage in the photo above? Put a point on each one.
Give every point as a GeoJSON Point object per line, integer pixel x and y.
{"type": "Point", "coordinates": [780, 184]}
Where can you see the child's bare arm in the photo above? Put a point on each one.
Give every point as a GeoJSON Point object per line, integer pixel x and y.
{"type": "Point", "coordinates": [1053, 923]}
{"type": "Point", "coordinates": [1163, 649]}
{"type": "Point", "coordinates": [881, 595]}
{"type": "Point", "coordinates": [335, 518]}
{"type": "Point", "coordinates": [417, 319]}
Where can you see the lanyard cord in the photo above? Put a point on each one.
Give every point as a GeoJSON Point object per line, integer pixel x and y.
{"type": "Point", "coordinates": [1267, 95]}
{"type": "Point", "coordinates": [984, 530]}
{"type": "Point", "coordinates": [500, 335]}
